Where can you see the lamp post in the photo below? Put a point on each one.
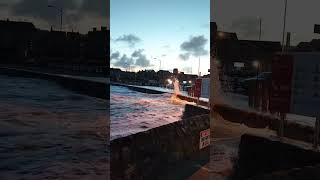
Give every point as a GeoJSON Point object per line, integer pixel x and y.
{"type": "Point", "coordinates": [260, 27]}
{"type": "Point", "coordinates": [199, 68]}
{"type": "Point", "coordinates": [284, 24]}
{"type": "Point", "coordinates": [256, 64]}
{"type": "Point", "coordinates": [61, 14]}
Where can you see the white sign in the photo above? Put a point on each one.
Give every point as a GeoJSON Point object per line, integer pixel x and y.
{"type": "Point", "coordinates": [205, 88]}
{"type": "Point", "coordinates": [305, 92]}
{"type": "Point", "coordinates": [238, 64]}
{"type": "Point", "coordinates": [204, 138]}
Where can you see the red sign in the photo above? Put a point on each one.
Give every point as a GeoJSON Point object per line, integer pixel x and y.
{"type": "Point", "coordinates": [197, 89]}
{"type": "Point", "coordinates": [282, 70]}
{"type": "Point", "coordinates": [204, 138]}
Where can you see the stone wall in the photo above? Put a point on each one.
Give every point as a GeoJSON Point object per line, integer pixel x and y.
{"type": "Point", "coordinates": [149, 154]}
{"type": "Point", "coordinates": [90, 88]}
{"type": "Point", "coordinates": [262, 158]}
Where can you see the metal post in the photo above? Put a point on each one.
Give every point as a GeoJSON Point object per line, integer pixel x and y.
{"type": "Point", "coordinates": [260, 26]}
{"type": "Point", "coordinates": [281, 124]}
{"type": "Point", "coordinates": [61, 15]}
{"type": "Point", "coordinates": [199, 68]}
{"type": "Point", "coordinates": [284, 24]}
{"type": "Point", "coordinates": [316, 133]}
{"type": "Point", "coordinates": [256, 100]}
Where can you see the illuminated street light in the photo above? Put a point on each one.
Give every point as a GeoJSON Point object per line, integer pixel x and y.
{"type": "Point", "coordinates": [190, 82]}
{"type": "Point", "coordinates": [184, 82]}
{"type": "Point", "coordinates": [255, 64]}
{"type": "Point", "coordinates": [221, 34]}
{"type": "Point", "coordinates": [169, 81]}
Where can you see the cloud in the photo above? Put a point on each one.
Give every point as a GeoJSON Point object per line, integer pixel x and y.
{"type": "Point", "coordinates": [98, 8]}
{"type": "Point", "coordinates": [194, 46]}
{"type": "Point", "coordinates": [3, 5]}
{"type": "Point", "coordinates": [141, 59]}
{"type": "Point", "coordinates": [137, 53]}
{"type": "Point", "coordinates": [131, 39]}
{"type": "Point", "coordinates": [247, 26]}
{"type": "Point", "coordinates": [39, 8]}
{"type": "Point", "coordinates": [79, 15]}
{"type": "Point", "coordinates": [187, 70]}
{"type": "Point", "coordinates": [184, 56]}
{"type": "Point", "coordinates": [124, 61]}
{"type": "Point", "coordinates": [137, 59]}
{"type": "Point", "coordinates": [115, 55]}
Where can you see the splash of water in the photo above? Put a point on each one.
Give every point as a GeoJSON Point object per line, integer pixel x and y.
{"type": "Point", "coordinates": [176, 91]}
{"type": "Point", "coordinates": [176, 87]}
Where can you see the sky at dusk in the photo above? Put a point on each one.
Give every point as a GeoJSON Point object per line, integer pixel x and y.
{"type": "Point", "coordinates": [79, 15]}
{"type": "Point", "coordinates": [242, 17]}
{"type": "Point", "coordinates": [145, 32]}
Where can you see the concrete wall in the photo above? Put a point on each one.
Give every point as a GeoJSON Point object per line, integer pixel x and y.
{"type": "Point", "coordinates": [139, 89]}
{"type": "Point", "coordinates": [257, 120]}
{"type": "Point", "coordinates": [149, 154]}
{"type": "Point", "coordinates": [90, 88]}
{"type": "Point", "coordinates": [262, 158]}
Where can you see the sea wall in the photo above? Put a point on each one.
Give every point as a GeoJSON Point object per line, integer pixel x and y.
{"type": "Point", "coordinates": [137, 88]}
{"type": "Point", "coordinates": [82, 86]}
{"type": "Point", "coordinates": [265, 159]}
{"type": "Point", "coordinates": [147, 155]}
{"type": "Point", "coordinates": [257, 120]}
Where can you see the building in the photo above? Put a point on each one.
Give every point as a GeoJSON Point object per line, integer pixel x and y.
{"type": "Point", "coordinates": [16, 40]}
{"type": "Point", "coordinates": [97, 46]}
{"type": "Point", "coordinates": [230, 50]}
{"type": "Point", "coordinates": [312, 46]}
{"type": "Point", "coordinates": [22, 42]}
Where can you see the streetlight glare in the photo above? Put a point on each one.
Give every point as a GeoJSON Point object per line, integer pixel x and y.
{"type": "Point", "coordinates": [221, 35]}
{"type": "Point", "coordinates": [255, 64]}
{"type": "Point", "coordinates": [169, 81]}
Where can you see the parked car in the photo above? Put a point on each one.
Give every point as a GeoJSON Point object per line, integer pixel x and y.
{"type": "Point", "coordinates": [264, 76]}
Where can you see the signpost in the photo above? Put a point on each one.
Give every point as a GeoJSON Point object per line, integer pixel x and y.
{"type": "Point", "coordinates": [295, 87]}
{"type": "Point", "coordinates": [281, 85]}
{"type": "Point", "coordinates": [204, 139]}
{"type": "Point", "coordinates": [197, 89]}
{"type": "Point", "coordinates": [280, 98]}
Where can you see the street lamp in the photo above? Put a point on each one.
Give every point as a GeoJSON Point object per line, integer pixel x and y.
{"type": "Point", "coordinates": [199, 68]}
{"type": "Point", "coordinates": [284, 24]}
{"type": "Point", "coordinates": [221, 35]}
{"type": "Point", "coordinates": [260, 27]}
{"type": "Point", "coordinates": [61, 14]}
{"type": "Point", "coordinates": [255, 64]}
